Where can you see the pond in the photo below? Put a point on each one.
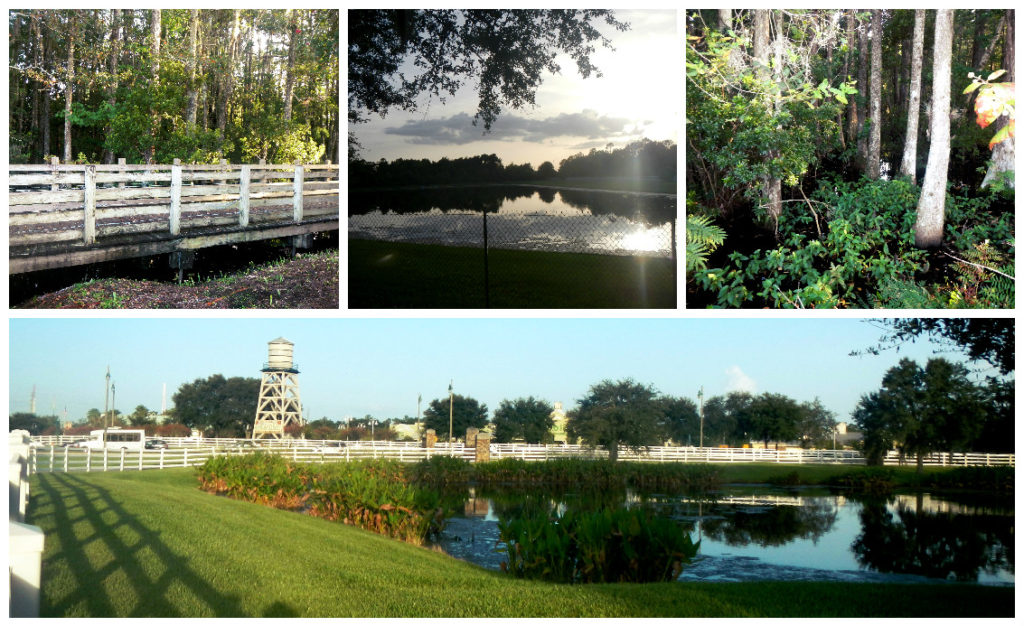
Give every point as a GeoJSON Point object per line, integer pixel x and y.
{"type": "Point", "coordinates": [790, 534]}
{"type": "Point", "coordinates": [518, 217]}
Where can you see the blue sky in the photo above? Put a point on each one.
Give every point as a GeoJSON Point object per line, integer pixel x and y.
{"type": "Point", "coordinates": [354, 367]}
{"type": "Point", "coordinates": [638, 95]}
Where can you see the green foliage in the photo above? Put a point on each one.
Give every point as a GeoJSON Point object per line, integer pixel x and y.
{"type": "Point", "coordinates": [869, 242]}
{"type": "Point", "coordinates": [611, 545]}
{"type": "Point", "coordinates": [702, 238]}
{"type": "Point", "coordinates": [525, 419]}
{"type": "Point", "coordinates": [218, 405]}
{"type": "Point", "coordinates": [375, 494]}
{"type": "Point", "coordinates": [462, 412]}
{"type": "Point", "coordinates": [615, 413]}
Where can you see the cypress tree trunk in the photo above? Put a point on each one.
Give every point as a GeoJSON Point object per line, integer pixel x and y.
{"type": "Point", "coordinates": [931, 213]}
{"type": "Point", "coordinates": [875, 141]}
{"type": "Point", "coordinates": [908, 166]}
{"type": "Point", "coordinates": [289, 84]}
{"type": "Point", "coordinates": [862, 86]}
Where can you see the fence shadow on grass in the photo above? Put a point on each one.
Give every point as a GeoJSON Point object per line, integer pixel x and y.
{"type": "Point", "coordinates": [100, 557]}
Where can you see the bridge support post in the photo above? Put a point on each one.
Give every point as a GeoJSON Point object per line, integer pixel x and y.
{"type": "Point", "coordinates": [297, 192]}
{"type": "Point", "coordinates": [301, 242]}
{"type": "Point", "coordinates": [182, 260]}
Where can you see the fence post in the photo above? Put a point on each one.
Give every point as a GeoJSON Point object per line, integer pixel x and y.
{"type": "Point", "coordinates": [487, 273]}
{"type": "Point", "coordinates": [25, 557]}
{"type": "Point", "coordinates": [142, 452]}
{"type": "Point", "coordinates": [52, 453]}
{"type": "Point", "coordinates": [162, 450]}
{"type": "Point", "coordinates": [175, 217]}
{"type": "Point", "coordinates": [89, 224]}
{"type": "Point", "coordinates": [121, 466]}
{"type": "Point", "coordinates": [243, 196]}
{"type": "Point", "coordinates": [121, 170]}
{"type": "Point", "coordinates": [106, 459]}
{"type": "Point", "coordinates": [297, 192]}
{"type": "Point", "coordinates": [66, 458]}
{"type": "Point", "coordinates": [88, 460]}
{"type": "Point", "coordinates": [184, 458]}
{"type": "Point", "coordinates": [263, 172]}
{"type": "Point", "coordinates": [54, 162]}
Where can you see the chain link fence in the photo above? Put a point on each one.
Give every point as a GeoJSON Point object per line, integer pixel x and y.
{"type": "Point", "coordinates": [558, 259]}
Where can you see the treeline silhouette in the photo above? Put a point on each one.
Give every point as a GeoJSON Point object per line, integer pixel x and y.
{"type": "Point", "coordinates": [640, 159]}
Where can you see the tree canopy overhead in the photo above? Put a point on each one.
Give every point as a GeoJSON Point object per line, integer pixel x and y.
{"type": "Point", "coordinates": [394, 56]}
{"type": "Point", "coordinates": [194, 84]}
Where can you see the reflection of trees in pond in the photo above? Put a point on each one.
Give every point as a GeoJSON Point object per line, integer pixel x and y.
{"type": "Point", "coordinates": [773, 525]}
{"type": "Point", "coordinates": [477, 199]}
{"type": "Point", "coordinates": [933, 544]}
{"type": "Point", "coordinates": [547, 196]}
{"type": "Point", "coordinates": [653, 210]}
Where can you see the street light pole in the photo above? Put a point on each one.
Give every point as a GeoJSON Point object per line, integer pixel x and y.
{"type": "Point", "coordinates": [451, 404]}
{"type": "Point", "coordinates": [700, 396]}
{"type": "Point", "coordinates": [106, 407]}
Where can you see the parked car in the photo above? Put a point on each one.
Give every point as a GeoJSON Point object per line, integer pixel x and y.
{"type": "Point", "coordinates": [156, 444]}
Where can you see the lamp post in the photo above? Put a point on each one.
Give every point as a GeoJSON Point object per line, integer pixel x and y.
{"type": "Point", "coordinates": [451, 404]}
{"type": "Point", "coordinates": [700, 396]}
{"type": "Point", "coordinates": [373, 423]}
{"type": "Point", "coordinates": [106, 407]}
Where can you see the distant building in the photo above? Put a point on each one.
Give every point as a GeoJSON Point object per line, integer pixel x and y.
{"type": "Point", "coordinates": [558, 429]}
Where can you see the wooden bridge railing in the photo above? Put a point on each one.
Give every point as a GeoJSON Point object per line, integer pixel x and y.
{"type": "Point", "coordinates": [67, 208]}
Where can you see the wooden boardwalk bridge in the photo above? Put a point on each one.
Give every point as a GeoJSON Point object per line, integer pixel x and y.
{"type": "Point", "coordinates": [65, 215]}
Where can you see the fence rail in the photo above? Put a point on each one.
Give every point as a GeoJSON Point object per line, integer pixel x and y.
{"type": "Point", "coordinates": [56, 210]}
{"type": "Point", "coordinates": [48, 455]}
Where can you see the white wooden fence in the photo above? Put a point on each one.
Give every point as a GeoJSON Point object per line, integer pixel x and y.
{"type": "Point", "coordinates": [56, 208]}
{"type": "Point", "coordinates": [48, 455]}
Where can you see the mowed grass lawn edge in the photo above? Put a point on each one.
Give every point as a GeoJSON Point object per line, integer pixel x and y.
{"type": "Point", "coordinates": [142, 544]}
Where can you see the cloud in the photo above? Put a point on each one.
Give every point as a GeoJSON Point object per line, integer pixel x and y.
{"type": "Point", "coordinates": [738, 380]}
{"type": "Point", "coordinates": [459, 129]}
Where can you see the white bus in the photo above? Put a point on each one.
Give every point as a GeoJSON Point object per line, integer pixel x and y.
{"type": "Point", "coordinates": [116, 439]}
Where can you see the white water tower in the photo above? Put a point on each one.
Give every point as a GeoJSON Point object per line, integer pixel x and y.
{"type": "Point", "coordinates": [279, 404]}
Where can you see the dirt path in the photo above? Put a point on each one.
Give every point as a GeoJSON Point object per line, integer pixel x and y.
{"type": "Point", "coordinates": [305, 282]}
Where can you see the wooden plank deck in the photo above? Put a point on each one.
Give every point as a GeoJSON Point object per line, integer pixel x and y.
{"type": "Point", "coordinates": [64, 215]}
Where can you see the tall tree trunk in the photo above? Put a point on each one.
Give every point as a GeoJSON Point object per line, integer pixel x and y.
{"type": "Point", "coordinates": [227, 79]}
{"type": "Point", "coordinates": [1003, 154]}
{"type": "Point", "coordinates": [38, 121]}
{"type": "Point", "coordinates": [772, 184]}
{"type": "Point", "coordinates": [862, 88]}
{"type": "Point", "coordinates": [193, 42]}
{"type": "Point", "coordinates": [289, 83]}
{"type": "Point", "coordinates": [724, 19]}
{"type": "Point", "coordinates": [908, 166]}
{"type": "Point", "coordinates": [851, 39]}
{"type": "Point", "coordinates": [115, 53]}
{"type": "Point", "coordinates": [69, 82]}
{"type": "Point", "coordinates": [931, 208]}
{"type": "Point", "coordinates": [46, 141]}
{"type": "Point", "coordinates": [875, 141]}
{"type": "Point", "coordinates": [154, 127]}
{"type": "Point", "coordinates": [761, 34]}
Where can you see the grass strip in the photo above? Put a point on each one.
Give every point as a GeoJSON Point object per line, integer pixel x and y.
{"type": "Point", "coordinates": [147, 544]}
{"type": "Point", "coordinates": [406, 275]}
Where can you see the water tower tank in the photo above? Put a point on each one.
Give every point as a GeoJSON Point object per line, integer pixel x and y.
{"type": "Point", "coordinates": [279, 354]}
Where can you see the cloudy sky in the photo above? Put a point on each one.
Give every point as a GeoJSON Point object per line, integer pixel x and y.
{"type": "Point", "coordinates": [638, 95]}
{"type": "Point", "coordinates": [355, 367]}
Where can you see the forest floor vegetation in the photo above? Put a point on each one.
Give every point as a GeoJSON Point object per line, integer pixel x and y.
{"type": "Point", "coordinates": [307, 281]}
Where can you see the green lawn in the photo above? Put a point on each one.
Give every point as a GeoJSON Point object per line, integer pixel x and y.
{"type": "Point", "coordinates": [141, 544]}
{"type": "Point", "coordinates": [405, 275]}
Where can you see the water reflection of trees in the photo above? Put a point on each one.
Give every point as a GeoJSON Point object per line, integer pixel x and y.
{"type": "Point", "coordinates": [907, 539]}
{"type": "Point", "coordinates": [653, 210]}
{"type": "Point", "coordinates": [772, 525]}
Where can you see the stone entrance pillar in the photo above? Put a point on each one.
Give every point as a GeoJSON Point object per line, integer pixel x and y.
{"type": "Point", "coordinates": [471, 434]}
{"type": "Point", "coordinates": [430, 439]}
{"type": "Point", "coordinates": [483, 447]}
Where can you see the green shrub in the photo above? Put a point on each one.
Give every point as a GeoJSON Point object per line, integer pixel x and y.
{"type": "Point", "coordinates": [373, 494]}
{"type": "Point", "coordinates": [610, 545]}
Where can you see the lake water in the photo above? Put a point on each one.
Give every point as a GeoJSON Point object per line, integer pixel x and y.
{"type": "Point", "coordinates": [808, 535]}
{"type": "Point", "coordinates": [518, 217]}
